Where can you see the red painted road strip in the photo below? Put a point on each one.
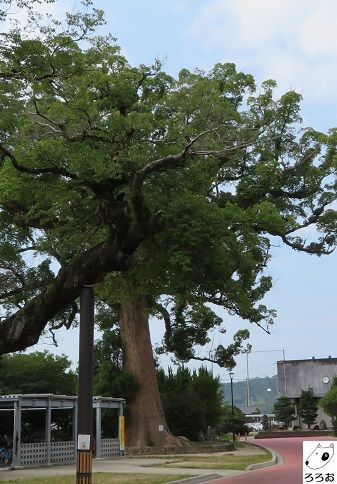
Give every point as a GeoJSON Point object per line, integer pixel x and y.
{"type": "Point", "coordinates": [290, 472]}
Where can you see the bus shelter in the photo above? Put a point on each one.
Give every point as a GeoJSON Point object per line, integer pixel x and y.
{"type": "Point", "coordinates": [55, 451]}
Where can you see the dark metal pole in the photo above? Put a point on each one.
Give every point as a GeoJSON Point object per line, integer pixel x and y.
{"type": "Point", "coordinates": [231, 374]}
{"type": "Point", "coordinates": [85, 369]}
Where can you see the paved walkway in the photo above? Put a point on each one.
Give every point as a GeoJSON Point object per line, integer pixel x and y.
{"type": "Point", "coordinates": [125, 465]}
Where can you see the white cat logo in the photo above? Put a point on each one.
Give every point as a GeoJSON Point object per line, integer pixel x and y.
{"type": "Point", "coordinates": [320, 457]}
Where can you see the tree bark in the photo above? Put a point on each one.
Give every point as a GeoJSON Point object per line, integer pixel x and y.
{"type": "Point", "coordinates": [146, 414]}
{"type": "Point", "coordinates": [23, 329]}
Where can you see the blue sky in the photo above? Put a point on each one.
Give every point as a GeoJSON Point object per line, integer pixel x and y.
{"type": "Point", "coordinates": [294, 42]}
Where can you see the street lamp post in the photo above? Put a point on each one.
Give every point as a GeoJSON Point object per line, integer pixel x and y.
{"type": "Point", "coordinates": [247, 351]}
{"type": "Point", "coordinates": [269, 394]}
{"type": "Point", "coordinates": [231, 375]}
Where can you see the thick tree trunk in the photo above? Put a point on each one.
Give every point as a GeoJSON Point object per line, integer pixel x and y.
{"type": "Point", "coordinates": [146, 415]}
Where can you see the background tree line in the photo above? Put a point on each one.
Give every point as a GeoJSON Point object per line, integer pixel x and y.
{"type": "Point", "coordinates": [193, 401]}
{"type": "Point", "coordinates": [308, 407]}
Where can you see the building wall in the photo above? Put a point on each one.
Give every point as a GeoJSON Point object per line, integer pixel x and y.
{"type": "Point", "coordinates": [321, 415]}
{"type": "Point", "coordinates": [297, 375]}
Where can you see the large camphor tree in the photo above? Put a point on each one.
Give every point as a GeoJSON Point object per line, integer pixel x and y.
{"type": "Point", "coordinates": [162, 192]}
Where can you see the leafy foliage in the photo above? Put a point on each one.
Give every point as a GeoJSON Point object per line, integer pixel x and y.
{"type": "Point", "coordinates": [308, 406]}
{"type": "Point", "coordinates": [284, 410]}
{"type": "Point", "coordinates": [38, 372]}
{"type": "Point", "coordinates": [9, 8]}
{"type": "Point", "coordinates": [109, 377]}
{"type": "Point", "coordinates": [329, 404]}
{"type": "Point", "coordinates": [192, 402]}
{"type": "Point", "coordinates": [239, 426]}
{"type": "Point", "coordinates": [178, 183]}
{"type": "Point", "coordinates": [265, 423]}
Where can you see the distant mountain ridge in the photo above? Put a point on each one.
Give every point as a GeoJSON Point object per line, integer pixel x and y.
{"type": "Point", "coordinates": [258, 394]}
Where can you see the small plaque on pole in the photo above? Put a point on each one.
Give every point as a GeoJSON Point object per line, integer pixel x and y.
{"type": "Point", "coordinates": [161, 428]}
{"type": "Point", "coordinates": [83, 442]}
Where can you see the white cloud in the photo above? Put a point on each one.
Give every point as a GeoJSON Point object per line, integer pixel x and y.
{"type": "Point", "coordinates": [317, 33]}
{"type": "Point", "coordinates": [293, 41]}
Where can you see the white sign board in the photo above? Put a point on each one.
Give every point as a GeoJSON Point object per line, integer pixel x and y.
{"type": "Point", "coordinates": [161, 428]}
{"type": "Point", "coordinates": [83, 442]}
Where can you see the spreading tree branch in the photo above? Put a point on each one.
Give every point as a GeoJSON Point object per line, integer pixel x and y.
{"type": "Point", "coordinates": [170, 161]}
{"type": "Point", "coordinates": [23, 328]}
{"type": "Point", "coordinates": [21, 290]}
{"type": "Point", "coordinates": [5, 153]}
{"type": "Point", "coordinates": [167, 321]}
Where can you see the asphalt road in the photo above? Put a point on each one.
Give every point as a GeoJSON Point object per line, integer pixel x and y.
{"type": "Point", "coordinates": [288, 472]}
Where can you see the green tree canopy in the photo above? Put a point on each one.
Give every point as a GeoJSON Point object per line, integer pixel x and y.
{"type": "Point", "coordinates": [109, 377]}
{"type": "Point", "coordinates": [92, 145]}
{"type": "Point", "coordinates": [308, 407]}
{"type": "Point", "coordinates": [226, 425]}
{"type": "Point", "coordinates": [38, 372]}
{"type": "Point", "coordinates": [329, 403]}
{"type": "Point", "coordinates": [284, 410]}
{"type": "Point", "coordinates": [192, 402]}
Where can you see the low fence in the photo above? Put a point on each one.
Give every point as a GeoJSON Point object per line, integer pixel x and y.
{"type": "Point", "coordinates": [109, 448]}
{"type": "Point", "coordinates": [33, 454]}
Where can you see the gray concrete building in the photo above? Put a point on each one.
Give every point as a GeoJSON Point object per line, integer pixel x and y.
{"type": "Point", "coordinates": [297, 375]}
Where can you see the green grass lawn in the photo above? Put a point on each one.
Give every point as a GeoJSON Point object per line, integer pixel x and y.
{"type": "Point", "coordinates": [227, 462]}
{"type": "Point", "coordinates": [104, 478]}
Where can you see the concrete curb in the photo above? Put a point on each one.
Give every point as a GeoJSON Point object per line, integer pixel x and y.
{"type": "Point", "coordinates": [275, 460]}
{"type": "Point", "coordinates": [197, 479]}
